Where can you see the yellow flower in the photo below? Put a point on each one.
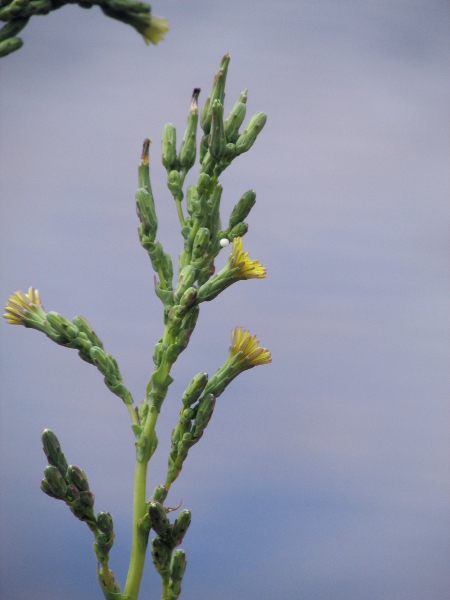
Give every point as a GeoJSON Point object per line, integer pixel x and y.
{"type": "Point", "coordinates": [246, 268]}
{"type": "Point", "coordinates": [21, 308]}
{"type": "Point", "coordinates": [251, 354]}
{"type": "Point", "coordinates": [155, 29]}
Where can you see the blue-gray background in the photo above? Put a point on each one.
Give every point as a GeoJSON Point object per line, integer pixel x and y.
{"type": "Point", "coordinates": [325, 474]}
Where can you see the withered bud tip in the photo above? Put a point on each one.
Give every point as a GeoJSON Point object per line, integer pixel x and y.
{"type": "Point", "coordinates": [194, 101]}
{"type": "Point", "coordinates": [145, 150]}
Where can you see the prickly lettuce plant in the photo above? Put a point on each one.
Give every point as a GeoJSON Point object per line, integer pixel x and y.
{"type": "Point", "coordinates": [204, 237]}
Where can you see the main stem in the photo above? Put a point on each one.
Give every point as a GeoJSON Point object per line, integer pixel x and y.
{"type": "Point", "coordinates": [139, 542]}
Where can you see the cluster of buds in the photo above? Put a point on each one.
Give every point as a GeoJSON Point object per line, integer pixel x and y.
{"type": "Point", "coordinates": [169, 564]}
{"type": "Point", "coordinates": [16, 14]}
{"type": "Point", "coordinates": [199, 399]}
{"type": "Point", "coordinates": [70, 484]}
{"type": "Point", "coordinates": [27, 310]}
{"type": "Point", "coordinates": [67, 482]}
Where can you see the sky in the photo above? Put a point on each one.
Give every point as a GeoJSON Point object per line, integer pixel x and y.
{"type": "Point", "coordinates": [325, 474]}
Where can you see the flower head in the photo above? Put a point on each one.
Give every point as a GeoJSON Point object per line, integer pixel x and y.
{"type": "Point", "coordinates": [24, 309]}
{"type": "Point", "coordinates": [245, 348]}
{"type": "Point", "coordinates": [154, 30]}
{"type": "Point", "coordinates": [246, 268]}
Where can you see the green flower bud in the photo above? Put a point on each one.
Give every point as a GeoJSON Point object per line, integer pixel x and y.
{"type": "Point", "coordinates": [217, 93]}
{"type": "Point", "coordinates": [180, 527]}
{"type": "Point", "coordinates": [13, 27]}
{"type": "Point", "coordinates": [184, 444]}
{"type": "Point", "coordinates": [214, 223]}
{"type": "Point", "coordinates": [105, 522]}
{"type": "Point", "coordinates": [186, 278]}
{"type": "Point", "coordinates": [201, 242]}
{"type": "Point", "coordinates": [84, 327]}
{"type": "Point", "coordinates": [242, 208]}
{"type": "Point", "coordinates": [173, 351]}
{"type": "Point", "coordinates": [102, 546]}
{"type": "Point", "coordinates": [72, 493]}
{"type": "Point", "coordinates": [159, 494]}
{"type": "Point", "coordinates": [192, 201]}
{"type": "Point", "coordinates": [174, 185]}
{"type": "Point", "coordinates": [169, 148]}
{"type": "Point", "coordinates": [208, 164]}
{"type": "Point", "coordinates": [10, 45]}
{"type": "Point", "coordinates": [145, 209]}
{"type": "Point", "coordinates": [178, 565]}
{"type": "Point", "coordinates": [238, 230]}
{"type": "Point", "coordinates": [204, 413]}
{"type": "Point", "coordinates": [217, 141]}
{"type": "Point", "coordinates": [62, 325]}
{"type": "Point", "coordinates": [188, 298]}
{"type": "Point", "coordinates": [188, 145]}
{"type": "Point", "coordinates": [246, 140]}
{"type": "Point", "coordinates": [236, 118]}
{"type": "Point", "coordinates": [102, 361]}
{"type": "Point", "coordinates": [158, 518]}
{"type": "Point", "coordinates": [194, 389]}
{"type": "Point", "coordinates": [144, 167]}
{"type": "Point", "coordinates": [53, 451]}
{"type": "Point", "coordinates": [45, 487]}
{"type": "Point", "coordinates": [187, 326]}
{"type": "Point", "coordinates": [78, 477]}
{"type": "Point", "coordinates": [87, 499]}
{"type": "Point", "coordinates": [203, 183]}
{"type": "Point", "coordinates": [158, 353]}
{"type": "Point", "coordinates": [55, 481]}
{"type": "Point", "coordinates": [161, 552]}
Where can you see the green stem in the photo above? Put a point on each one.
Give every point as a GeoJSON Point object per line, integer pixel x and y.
{"type": "Point", "coordinates": [133, 414]}
{"type": "Point", "coordinates": [139, 542]}
{"type": "Point", "coordinates": [107, 577]}
{"type": "Point", "coordinates": [165, 589]}
{"type": "Point", "coordinates": [180, 213]}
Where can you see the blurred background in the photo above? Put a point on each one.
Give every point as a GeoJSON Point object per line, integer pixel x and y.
{"type": "Point", "coordinates": [325, 474]}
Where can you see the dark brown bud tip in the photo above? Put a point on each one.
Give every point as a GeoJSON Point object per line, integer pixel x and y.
{"type": "Point", "coordinates": [145, 151]}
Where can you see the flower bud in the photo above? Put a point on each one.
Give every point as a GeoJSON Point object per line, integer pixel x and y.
{"type": "Point", "coordinates": [188, 298]}
{"type": "Point", "coordinates": [78, 477]}
{"type": "Point", "coordinates": [158, 518]}
{"type": "Point", "coordinates": [236, 118]}
{"type": "Point", "coordinates": [180, 527]}
{"type": "Point", "coordinates": [186, 278]}
{"type": "Point", "coordinates": [194, 389]}
{"type": "Point", "coordinates": [53, 451]}
{"type": "Point", "coordinates": [204, 413]}
{"type": "Point", "coordinates": [145, 209]}
{"type": "Point", "coordinates": [217, 93]}
{"type": "Point", "coordinates": [158, 353]}
{"type": "Point", "coordinates": [161, 552]}
{"type": "Point", "coordinates": [201, 241]}
{"type": "Point", "coordinates": [178, 566]}
{"type": "Point", "coordinates": [238, 230]}
{"type": "Point", "coordinates": [174, 185]}
{"type": "Point", "coordinates": [159, 494]}
{"type": "Point", "coordinates": [203, 183]}
{"type": "Point", "coordinates": [246, 140]}
{"type": "Point", "coordinates": [62, 325]}
{"type": "Point", "coordinates": [217, 140]}
{"type": "Point", "coordinates": [105, 522]}
{"type": "Point", "coordinates": [55, 481]}
{"type": "Point", "coordinates": [188, 145]}
{"type": "Point", "coordinates": [169, 147]}
{"type": "Point", "coordinates": [84, 327]}
{"type": "Point", "coordinates": [242, 208]}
